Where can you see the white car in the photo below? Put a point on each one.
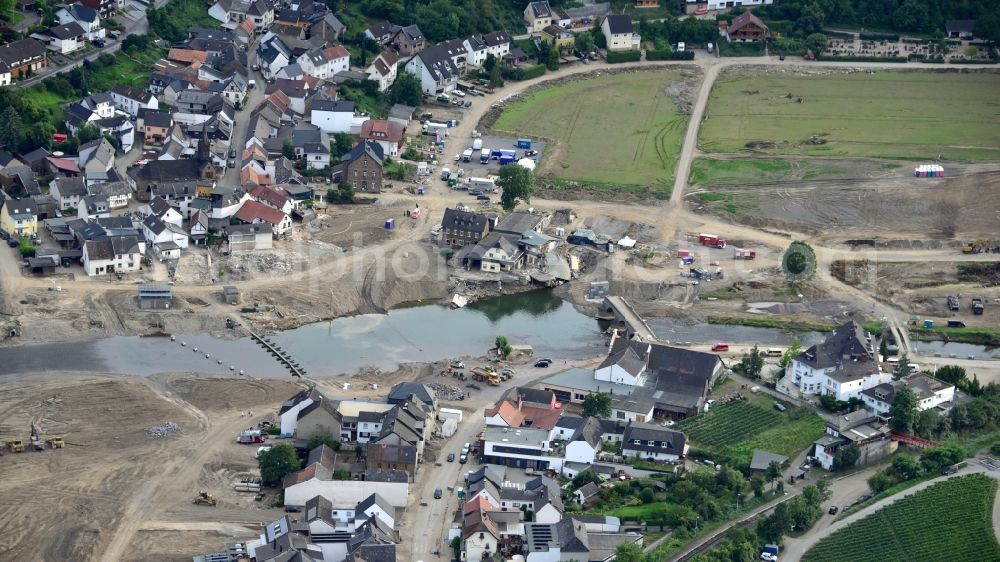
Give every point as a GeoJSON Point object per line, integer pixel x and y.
{"type": "Point", "coordinates": [768, 557]}
{"type": "Point", "coordinates": [458, 157]}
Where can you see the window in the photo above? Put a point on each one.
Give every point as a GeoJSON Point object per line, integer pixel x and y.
{"type": "Point", "coordinates": [637, 442]}
{"type": "Point", "coordinates": [620, 415]}
{"type": "Point", "coordinates": [651, 443]}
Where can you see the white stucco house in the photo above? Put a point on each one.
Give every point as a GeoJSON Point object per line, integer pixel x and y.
{"type": "Point", "coordinates": [842, 366]}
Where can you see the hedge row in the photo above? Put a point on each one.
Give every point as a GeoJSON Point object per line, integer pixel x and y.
{"type": "Point", "coordinates": [878, 37]}
{"type": "Point", "coordinates": [667, 54]}
{"type": "Point", "coordinates": [535, 71]}
{"type": "Point", "coordinates": [933, 60]}
{"type": "Point", "coordinates": [623, 56]}
{"type": "Point", "coordinates": [972, 61]}
{"type": "Point", "coordinates": [860, 59]}
{"type": "Point", "coordinates": [837, 34]}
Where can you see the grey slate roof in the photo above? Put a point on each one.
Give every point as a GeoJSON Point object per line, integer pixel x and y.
{"type": "Point", "coordinates": [465, 221]}
{"type": "Point", "coordinates": [665, 440]}
{"type": "Point", "coordinates": [848, 342]}
{"type": "Point", "coordinates": [372, 148]}
{"type": "Point", "coordinates": [620, 24]}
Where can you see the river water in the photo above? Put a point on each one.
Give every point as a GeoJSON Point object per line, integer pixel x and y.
{"type": "Point", "coordinates": [420, 333]}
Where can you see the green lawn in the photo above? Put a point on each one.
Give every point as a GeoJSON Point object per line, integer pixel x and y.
{"type": "Point", "coordinates": [735, 429]}
{"type": "Point", "coordinates": [904, 115]}
{"type": "Point", "coordinates": [948, 521]}
{"type": "Point", "coordinates": [707, 171]}
{"type": "Point", "coordinates": [612, 132]}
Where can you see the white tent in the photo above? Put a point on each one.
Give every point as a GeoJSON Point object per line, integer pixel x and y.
{"type": "Point", "coordinates": [527, 163]}
{"type": "Point", "coordinates": [626, 242]}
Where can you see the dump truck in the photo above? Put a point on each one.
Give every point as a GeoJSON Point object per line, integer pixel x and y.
{"type": "Point", "coordinates": [56, 442]}
{"type": "Point", "coordinates": [977, 306]}
{"type": "Point", "coordinates": [711, 240]}
{"type": "Point", "coordinates": [16, 445]}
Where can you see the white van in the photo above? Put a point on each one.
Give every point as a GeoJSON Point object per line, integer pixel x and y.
{"type": "Point", "coordinates": [680, 47]}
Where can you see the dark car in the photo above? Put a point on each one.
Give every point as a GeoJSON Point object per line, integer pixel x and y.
{"type": "Point", "coordinates": [543, 363]}
{"type": "Point", "coordinates": [13, 243]}
{"type": "Point", "coordinates": [451, 457]}
{"type": "Point", "coordinates": [833, 510]}
{"type": "Point", "coordinates": [438, 493]}
{"type": "Point", "coordinates": [949, 470]}
{"type": "Point", "coordinates": [4, 234]}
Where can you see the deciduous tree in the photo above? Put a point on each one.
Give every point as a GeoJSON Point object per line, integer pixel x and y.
{"type": "Point", "coordinates": [277, 462]}
{"type": "Point", "coordinates": [517, 184]}
{"type": "Point", "coordinates": [597, 404]}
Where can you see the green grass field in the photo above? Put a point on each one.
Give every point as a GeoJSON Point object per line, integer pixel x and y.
{"type": "Point", "coordinates": [735, 429]}
{"type": "Point", "coordinates": [948, 521]}
{"type": "Point", "coordinates": [912, 115]}
{"type": "Point", "coordinates": [613, 132]}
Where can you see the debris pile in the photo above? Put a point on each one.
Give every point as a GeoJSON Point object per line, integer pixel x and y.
{"type": "Point", "coordinates": [167, 429]}
{"type": "Point", "coordinates": [447, 392]}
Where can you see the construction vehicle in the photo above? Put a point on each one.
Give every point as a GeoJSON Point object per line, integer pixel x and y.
{"type": "Point", "coordinates": [204, 498]}
{"type": "Point", "coordinates": [953, 302]}
{"type": "Point", "coordinates": [977, 306]}
{"type": "Point", "coordinates": [251, 436]}
{"type": "Point", "coordinates": [56, 442]}
{"type": "Point", "coordinates": [36, 441]}
{"type": "Point", "coordinates": [16, 445]}
{"type": "Point", "coordinates": [493, 380]}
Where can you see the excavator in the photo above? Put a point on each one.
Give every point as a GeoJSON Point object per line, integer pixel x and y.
{"type": "Point", "coordinates": [204, 498]}
{"type": "Point", "coordinates": [36, 441]}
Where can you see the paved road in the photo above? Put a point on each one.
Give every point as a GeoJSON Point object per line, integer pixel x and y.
{"type": "Point", "coordinates": [795, 548]}
{"type": "Point", "coordinates": [239, 138]}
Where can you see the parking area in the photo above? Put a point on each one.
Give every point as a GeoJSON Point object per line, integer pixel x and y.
{"type": "Point", "coordinates": [492, 142]}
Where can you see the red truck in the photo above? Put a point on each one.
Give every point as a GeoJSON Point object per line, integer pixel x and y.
{"type": "Point", "coordinates": [744, 254]}
{"type": "Point", "coordinates": [711, 240]}
{"type": "Point", "coordinates": [251, 436]}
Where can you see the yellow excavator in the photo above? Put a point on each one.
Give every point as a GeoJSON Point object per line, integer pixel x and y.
{"type": "Point", "coordinates": [204, 498]}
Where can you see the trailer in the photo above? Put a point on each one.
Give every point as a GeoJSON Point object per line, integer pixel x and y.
{"type": "Point", "coordinates": [251, 437]}
{"type": "Point", "coordinates": [683, 253]}
{"type": "Point", "coordinates": [507, 157]}
{"type": "Point", "coordinates": [484, 156]}
{"type": "Point", "coordinates": [487, 184]}
{"type": "Point", "coordinates": [711, 240]}
{"type": "Point", "coordinates": [523, 143]}
{"type": "Point", "coordinates": [477, 144]}
{"type": "Point", "coordinates": [446, 413]}
{"type": "Point", "coordinates": [467, 155]}
{"type": "Point", "coordinates": [687, 260]}
{"type": "Point", "coordinates": [744, 254]}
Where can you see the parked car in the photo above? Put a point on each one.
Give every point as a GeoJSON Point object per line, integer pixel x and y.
{"type": "Point", "coordinates": [779, 406]}
{"type": "Point", "coordinates": [13, 243]}
{"type": "Point", "coordinates": [4, 235]}
{"type": "Point", "coordinates": [720, 347]}
{"type": "Point", "coordinates": [463, 459]}
{"type": "Point", "coordinates": [451, 457]}
{"type": "Point", "coordinates": [438, 493]}
{"type": "Point", "coordinates": [507, 371]}
{"type": "Point", "coordinates": [457, 365]}
{"type": "Point", "coordinates": [833, 510]}
{"type": "Point", "coordinates": [543, 363]}
{"type": "Point", "coordinates": [949, 470]}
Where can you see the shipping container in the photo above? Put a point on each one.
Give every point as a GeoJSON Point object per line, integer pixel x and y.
{"type": "Point", "coordinates": [524, 143]}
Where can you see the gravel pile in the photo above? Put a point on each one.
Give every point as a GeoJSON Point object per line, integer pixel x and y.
{"type": "Point", "coordinates": [447, 392]}
{"type": "Point", "coordinates": [163, 430]}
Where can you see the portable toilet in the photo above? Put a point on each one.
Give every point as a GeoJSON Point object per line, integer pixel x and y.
{"type": "Point", "coordinates": [928, 323]}
{"type": "Point", "coordinates": [389, 223]}
{"type": "Point", "coordinates": [687, 260]}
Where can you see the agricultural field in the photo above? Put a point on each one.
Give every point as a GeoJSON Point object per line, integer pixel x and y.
{"type": "Point", "coordinates": [948, 521]}
{"type": "Point", "coordinates": [900, 115]}
{"type": "Point", "coordinates": [735, 429]}
{"type": "Point", "coordinates": [617, 132]}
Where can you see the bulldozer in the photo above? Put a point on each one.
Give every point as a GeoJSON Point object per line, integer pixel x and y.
{"type": "Point", "coordinates": [16, 445]}
{"type": "Point", "coordinates": [55, 442]}
{"type": "Point", "coordinates": [204, 498]}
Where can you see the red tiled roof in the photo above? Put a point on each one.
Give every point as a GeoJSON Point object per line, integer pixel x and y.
{"type": "Point", "coordinates": [541, 418]}
{"type": "Point", "coordinates": [478, 503]}
{"type": "Point", "coordinates": [508, 412]}
{"type": "Point", "coordinates": [189, 56]}
{"type": "Point", "coordinates": [64, 164]}
{"type": "Point", "coordinates": [382, 130]}
{"type": "Point", "coordinates": [337, 52]}
{"type": "Point", "coordinates": [745, 19]}
{"type": "Point", "coordinates": [272, 196]}
{"type": "Point", "coordinates": [247, 25]}
{"type": "Point", "coordinates": [253, 210]}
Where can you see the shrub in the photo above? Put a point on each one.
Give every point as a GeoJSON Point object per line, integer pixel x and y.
{"type": "Point", "coordinates": [878, 37]}
{"type": "Point", "coordinates": [615, 57]}
{"type": "Point", "coordinates": [861, 59]}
